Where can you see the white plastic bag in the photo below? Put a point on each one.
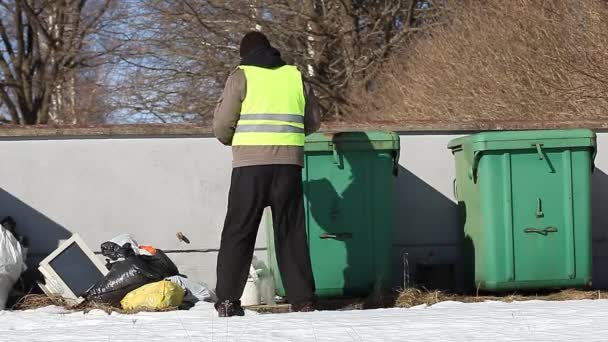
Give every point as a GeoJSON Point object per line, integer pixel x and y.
{"type": "Point", "coordinates": [126, 238]}
{"type": "Point", "coordinates": [194, 291]}
{"type": "Point", "coordinates": [12, 264]}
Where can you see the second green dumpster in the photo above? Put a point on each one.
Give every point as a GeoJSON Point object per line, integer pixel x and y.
{"type": "Point", "coordinates": [526, 199]}
{"type": "Point", "coordinates": [348, 181]}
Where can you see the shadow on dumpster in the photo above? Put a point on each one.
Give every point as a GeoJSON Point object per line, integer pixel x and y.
{"type": "Point", "coordinates": [340, 201]}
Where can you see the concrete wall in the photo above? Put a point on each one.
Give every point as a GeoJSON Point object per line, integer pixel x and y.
{"type": "Point", "coordinates": [154, 187]}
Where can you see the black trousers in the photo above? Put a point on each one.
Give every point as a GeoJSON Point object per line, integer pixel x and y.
{"type": "Point", "coordinates": [252, 189]}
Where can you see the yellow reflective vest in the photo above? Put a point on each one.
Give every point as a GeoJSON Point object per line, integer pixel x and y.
{"type": "Point", "coordinates": [273, 110]}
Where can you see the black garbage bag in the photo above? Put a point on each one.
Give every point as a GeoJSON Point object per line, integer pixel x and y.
{"type": "Point", "coordinates": [115, 251]}
{"type": "Point", "coordinates": [129, 274]}
{"type": "Point", "coordinates": [161, 263]}
{"type": "Point", "coordinates": [124, 277]}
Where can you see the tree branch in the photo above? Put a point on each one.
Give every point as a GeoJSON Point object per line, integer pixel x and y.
{"type": "Point", "coordinates": [10, 105]}
{"type": "Point", "coordinates": [34, 20]}
{"type": "Point", "coordinates": [5, 39]}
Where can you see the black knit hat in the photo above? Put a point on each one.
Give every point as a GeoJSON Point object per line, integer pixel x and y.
{"type": "Point", "coordinates": [253, 41]}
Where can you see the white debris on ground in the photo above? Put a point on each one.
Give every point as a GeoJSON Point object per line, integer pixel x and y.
{"type": "Point", "coordinates": [583, 320]}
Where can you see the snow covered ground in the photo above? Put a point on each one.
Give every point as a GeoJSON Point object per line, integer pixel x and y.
{"type": "Point", "coordinates": [449, 321]}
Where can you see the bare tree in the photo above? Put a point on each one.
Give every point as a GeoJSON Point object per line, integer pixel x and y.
{"type": "Point", "coordinates": [343, 44]}
{"type": "Point", "coordinates": [45, 44]}
{"type": "Point", "coordinates": [179, 52]}
{"type": "Point", "coordinates": [182, 50]}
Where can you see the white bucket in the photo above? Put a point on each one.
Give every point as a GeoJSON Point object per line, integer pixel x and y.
{"type": "Point", "coordinates": [251, 294]}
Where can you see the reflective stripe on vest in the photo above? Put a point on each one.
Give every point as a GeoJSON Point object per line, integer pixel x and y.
{"type": "Point", "coordinates": [272, 112]}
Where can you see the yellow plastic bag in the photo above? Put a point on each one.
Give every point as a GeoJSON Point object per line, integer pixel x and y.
{"type": "Point", "coordinates": [154, 296]}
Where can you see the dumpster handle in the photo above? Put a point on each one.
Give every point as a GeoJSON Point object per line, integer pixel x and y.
{"type": "Point", "coordinates": [337, 236]}
{"type": "Point", "coordinates": [337, 157]}
{"type": "Point", "coordinates": [455, 190]}
{"type": "Point", "coordinates": [475, 164]}
{"type": "Point", "coordinates": [545, 231]}
{"type": "Point", "coordinates": [539, 150]}
{"type": "Point", "coordinates": [541, 156]}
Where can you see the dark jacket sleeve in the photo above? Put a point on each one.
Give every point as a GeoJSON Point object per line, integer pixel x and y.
{"type": "Point", "coordinates": [228, 109]}
{"type": "Point", "coordinates": [312, 115]}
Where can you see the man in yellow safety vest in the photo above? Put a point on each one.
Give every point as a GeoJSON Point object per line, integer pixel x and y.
{"type": "Point", "coordinates": [264, 113]}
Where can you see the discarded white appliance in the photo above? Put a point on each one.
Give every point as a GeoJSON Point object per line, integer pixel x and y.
{"type": "Point", "coordinates": [71, 270]}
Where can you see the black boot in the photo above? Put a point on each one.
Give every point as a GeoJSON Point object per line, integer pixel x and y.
{"type": "Point", "coordinates": [229, 308]}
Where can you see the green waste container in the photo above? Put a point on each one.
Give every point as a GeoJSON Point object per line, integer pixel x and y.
{"type": "Point", "coordinates": [526, 206]}
{"type": "Point", "coordinates": [348, 194]}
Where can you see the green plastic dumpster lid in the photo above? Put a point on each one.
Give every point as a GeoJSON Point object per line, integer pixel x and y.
{"type": "Point", "coordinates": [510, 140]}
{"type": "Point", "coordinates": [352, 141]}
{"type": "Point", "coordinates": [474, 145]}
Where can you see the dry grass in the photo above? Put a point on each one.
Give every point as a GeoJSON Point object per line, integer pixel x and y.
{"type": "Point", "coordinates": [413, 297]}
{"type": "Point", "coordinates": [36, 301]}
{"type": "Point", "coordinates": [501, 60]}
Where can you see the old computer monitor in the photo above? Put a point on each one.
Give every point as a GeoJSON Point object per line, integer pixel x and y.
{"type": "Point", "coordinates": [71, 270]}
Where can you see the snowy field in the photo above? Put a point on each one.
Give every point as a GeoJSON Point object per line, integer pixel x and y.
{"type": "Point", "coordinates": [584, 320]}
